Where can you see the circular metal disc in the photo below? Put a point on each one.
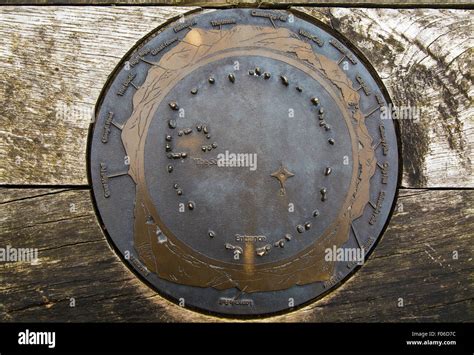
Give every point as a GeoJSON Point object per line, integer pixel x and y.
{"type": "Point", "coordinates": [243, 161]}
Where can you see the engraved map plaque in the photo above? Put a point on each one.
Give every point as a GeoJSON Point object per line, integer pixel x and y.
{"type": "Point", "coordinates": [242, 161]}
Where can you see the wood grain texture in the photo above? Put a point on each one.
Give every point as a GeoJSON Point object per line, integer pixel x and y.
{"type": "Point", "coordinates": [253, 3]}
{"type": "Point", "coordinates": [54, 63]}
{"type": "Point", "coordinates": [413, 261]}
{"type": "Point", "coordinates": [425, 60]}
{"type": "Point", "coordinates": [55, 60]}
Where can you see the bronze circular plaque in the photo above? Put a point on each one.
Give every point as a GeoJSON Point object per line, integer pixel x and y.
{"type": "Point", "coordinates": [243, 161]}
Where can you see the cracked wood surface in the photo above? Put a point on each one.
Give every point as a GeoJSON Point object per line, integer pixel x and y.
{"type": "Point", "coordinates": [413, 261]}
{"type": "Point", "coordinates": [55, 60]}
{"type": "Point", "coordinates": [424, 58]}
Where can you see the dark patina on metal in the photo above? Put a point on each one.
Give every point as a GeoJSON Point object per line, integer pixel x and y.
{"type": "Point", "coordinates": [241, 161]}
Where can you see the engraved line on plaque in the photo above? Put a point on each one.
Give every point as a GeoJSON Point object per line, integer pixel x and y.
{"type": "Point", "coordinates": [378, 106]}
{"type": "Point", "coordinates": [272, 16]}
{"type": "Point", "coordinates": [384, 169]}
{"type": "Point", "coordinates": [104, 178]}
{"type": "Point", "coordinates": [106, 130]}
{"type": "Point", "coordinates": [363, 85]}
{"type": "Point", "coordinates": [377, 208]}
{"type": "Point", "coordinates": [383, 140]}
{"type": "Point", "coordinates": [222, 22]}
{"type": "Point", "coordinates": [184, 26]}
{"type": "Point", "coordinates": [313, 38]}
{"type": "Point", "coordinates": [344, 51]}
{"type": "Point", "coordinates": [126, 84]}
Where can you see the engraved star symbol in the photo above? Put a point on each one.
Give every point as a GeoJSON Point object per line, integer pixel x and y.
{"type": "Point", "coordinates": [282, 174]}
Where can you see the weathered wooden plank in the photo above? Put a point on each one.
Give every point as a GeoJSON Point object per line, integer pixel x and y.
{"type": "Point", "coordinates": [260, 3]}
{"type": "Point", "coordinates": [56, 60]}
{"type": "Point", "coordinates": [424, 58]}
{"type": "Point", "coordinates": [54, 63]}
{"type": "Point", "coordinates": [16, 194]}
{"type": "Point", "coordinates": [75, 261]}
{"type": "Point", "coordinates": [414, 261]}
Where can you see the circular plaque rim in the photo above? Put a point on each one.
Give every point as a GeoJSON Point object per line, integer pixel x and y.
{"type": "Point", "coordinates": [367, 65]}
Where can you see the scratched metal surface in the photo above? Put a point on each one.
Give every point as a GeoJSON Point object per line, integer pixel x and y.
{"type": "Point", "coordinates": [243, 111]}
